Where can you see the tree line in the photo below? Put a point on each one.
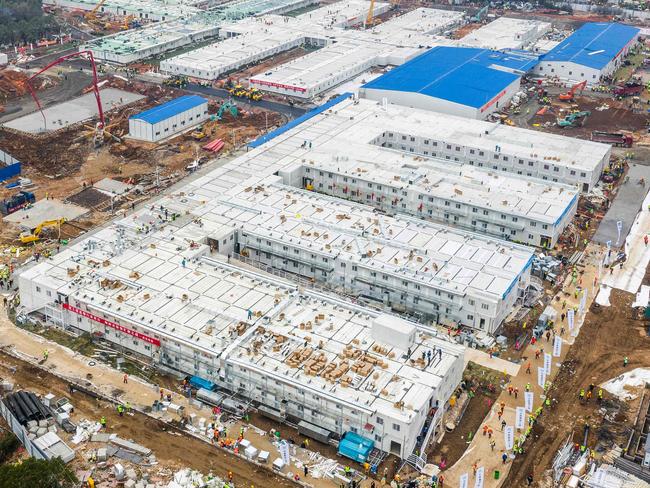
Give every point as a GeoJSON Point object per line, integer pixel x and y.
{"type": "Point", "coordinates": [24, 21]}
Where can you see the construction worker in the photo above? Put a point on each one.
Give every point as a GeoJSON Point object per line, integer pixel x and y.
{"type": "Point", "coordinates": [125, 378]}
{"type": "Point", "coordinates": [128, 407]}
{"type": "Point", "coordinates": [90, 482]}
{"type": "Point", "coordinates": [581, 396]}
{"type": "Point", "coordinates": [600, 395]}
{"type": "Point", "coordinates": [527, 386]}
{"type": "Point", "coordinates": [46, 353]}
{"type": "Point", "coordinates": [120, 410]}
{"type": "Point", "coordinates": [347, 471]}
{"type": "Point", "coordinates": [588, 395]}
{"type": "Point", "coordinates": [625, 361]}
{"type": "Point", "coordinates": [102, 422]}
{"type": "Point", "coordinates": [230, 476]}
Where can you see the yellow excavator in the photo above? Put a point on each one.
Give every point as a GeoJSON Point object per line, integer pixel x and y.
{"type": "Point", "coordinates": [30, 237]}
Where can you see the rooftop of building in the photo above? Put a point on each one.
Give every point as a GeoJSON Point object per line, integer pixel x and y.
{"type": "Point", "coordinates": [506, 33]}
{"type": "Point", "coordinates": [161, 282]}
{"type": "Point", "coordinates": [169, 109]}
{"type": "Point", "coordinates": [514, 195]}
{"type": "Point", "coordinates": [467, 76]}
{"type": "Point", "coordinates": [594, 44]}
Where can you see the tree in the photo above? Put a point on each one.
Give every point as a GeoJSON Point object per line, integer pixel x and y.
{"type": "Point", "coordinates": [24, 21]}
{"type": "Point", "coordinates": [33, 473]}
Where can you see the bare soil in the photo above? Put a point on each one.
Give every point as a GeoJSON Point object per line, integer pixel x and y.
{"type": "Point", "coordinates": [607, 336]}
{"type": "Point", "coordinates": [172, 450]}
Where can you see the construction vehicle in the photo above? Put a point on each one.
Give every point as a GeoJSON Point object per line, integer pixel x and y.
{"type": "Point", "coordinates": [254, 94]}
{"type": "Point", "coordinates": [198, 133]}
{"type": "Point", "coordinates": [227, 106]}
{"type": "Point", "coordinates": [237, 91]}
{"type": "Point", "coordinates": [571, 119]}
{"type": "Point", "coordinates": [30, 237]}
{"type": "Point", "coordinates": [613, 138]}
{"type": "Point", "coordinates": [176, 81]}
{"type": "Point", "coordinates": [628, 89]}
{"type": "Point", "coordinates": [568, 97]}
{"type": "Point", "coordinates": [92, 15]}
{"type": "Point", "coordinates": [478, 17]}
{"type": "Point", "coordinates": [16, 202]}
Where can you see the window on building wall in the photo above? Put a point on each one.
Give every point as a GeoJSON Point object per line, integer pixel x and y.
{"type": "Point", "coordinates": [485, 306]}
{"type": "Point", "coordinates": [481, 153]}
{"type": "Point", "coordinates": [583, 174]}
{"type": "Point", "coordinates": [396, 427]}
{"type": "Point", "coordinates": [38, 289]}
{"type": "Point", "coordinates": [470, 317]}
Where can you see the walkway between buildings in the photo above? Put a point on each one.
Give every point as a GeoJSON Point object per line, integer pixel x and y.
{"type": "Point", "coordinates": [625, 206]}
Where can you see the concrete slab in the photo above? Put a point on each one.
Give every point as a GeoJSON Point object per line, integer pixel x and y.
{"type": "Point", "coordinates": [625, 207]}
{"type": "Point", "coordinates": [73, 111]}
{"type": "Point", "coordinates": [131, 446]}
{"type": "Point", "coordinates": [112, 187]}
{"type": "Point", "coordinates": [42, 210]}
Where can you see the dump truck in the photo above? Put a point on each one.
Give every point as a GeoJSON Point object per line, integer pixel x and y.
{"type": "Point", "coordinates": [613, 138]}
{"type": "Point", "coordinates": [16, 202]}
{"type": "Point", "coordinates": [628, 89]}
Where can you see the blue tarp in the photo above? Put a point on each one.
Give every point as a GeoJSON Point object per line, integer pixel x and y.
{"type": "Point", "coordinates": [198, 382]}
{"type": "Point", "coordinates": [296, 122]}
{"type": "Point", "coordinates": [356, 447]}
{"type": "Point", "coordinates": [9, 171]}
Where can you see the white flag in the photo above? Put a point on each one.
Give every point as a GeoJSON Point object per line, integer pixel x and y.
{"type": "Point", "coordinates": [464, 480]}
{"type": "Point", "coordinates": [509, 437]}
{"type": "Point", "coordinates": [619, 228]}
{"type": "Point", "coordinates": [599, 477]}
{"type": "Point", "coordinates": [557, 346]}
{"type": "Point", "coordinates": [541, 377]}
{"type": "Point", "coordinates": [480, 473]}
{"type": "Point", "coordinates": [569, 318]}
{"type": "Point", "coordinates": [528, 401]}
{"type": "Point", "coordinates": [547, 363]}
{"type": "Point", "coordinates": [520, 418]}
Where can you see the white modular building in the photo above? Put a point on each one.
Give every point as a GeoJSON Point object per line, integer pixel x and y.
{"type": "Point", "coordinates": [595, 50]}
{"type": "Point", "coordinates": [169, 118]}
{"type": "Point", "coordinates": [507, 33]}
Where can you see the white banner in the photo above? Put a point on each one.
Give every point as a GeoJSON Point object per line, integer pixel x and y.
{"type": "Point", "coordinates": [528, 401]}
{"type": "Point", "coordinates": [583, 301]}
{"type": "Point", "coordinates": [541, 377]}
{"type": "Point", "coordinates": [480, 474]}
{"type": "Point", "coordinates": [619, 228]}
{"type": "Point", "coordinates": [608, 252]}
{"type": "Point", "coordinates": [464, 480]}
{"type": "Point", "coordinates": [599, 477]}
{"type": "Point", "coordinates": [569, 318]}
{"type": "Point", "coordinates": [547, 363]}
{"type": "Point", "coordinates": [509, 437]}
{"type": "Point", "coordinates": [557, 346]}
{"type": "Point", "coordinates": [520, 418]}
{"type": "Point", "coordinates": [283, 447]}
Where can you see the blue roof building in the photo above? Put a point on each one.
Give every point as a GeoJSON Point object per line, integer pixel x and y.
{"type": "Point", "coordinates": [594, 50]}
{"type": "Point", "coordinates": [169, 118]}
{"type": "Point", "coordinates": [470, 82]}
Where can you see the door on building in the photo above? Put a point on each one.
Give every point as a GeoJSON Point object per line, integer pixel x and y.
{"type": "Point", "coordinates": [395, 448]}
{"type": "Point", "coordinates": [544, 241]}
{"type": "Point", "coordinates": [482, 324]}
{"type": "Point", "coordinates": [214, 244]}
{"type": "Point", "coordinates": [585, 187]}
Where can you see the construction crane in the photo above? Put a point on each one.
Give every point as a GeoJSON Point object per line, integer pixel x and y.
{"type": "Point", "coordinates": [82, 54]}
{"type": "Point", "coordinates": [568, 97]}
{"type": "Point", "coordinates": [92, 15]}
{"type": "Point", "coordinates": [29, 237]}
{"type": "Point", "coordinates": [371, 13]}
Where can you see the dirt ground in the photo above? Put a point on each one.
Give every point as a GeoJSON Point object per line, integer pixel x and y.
{"type": "Point", "coordinates": [619, 116]}
{"type": "Point", "coordinates": [173, 451]}
{"type": "Point", "coordinates": [607, 336]}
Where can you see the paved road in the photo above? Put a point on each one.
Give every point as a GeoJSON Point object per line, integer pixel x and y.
{"type": "Point", "coordinates": [290, 111]}
{"type": "Point", "coordinates": [625, 206]}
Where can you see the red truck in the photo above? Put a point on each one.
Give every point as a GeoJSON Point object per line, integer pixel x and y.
{"type": "Point", "coordinates": [613, 138]}
{"type": "Point", "coordinates": [628, 89]}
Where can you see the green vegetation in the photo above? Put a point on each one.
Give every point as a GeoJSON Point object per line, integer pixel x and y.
{"type": "Point", "coordinates": [24, 21]}
{"type": "Point", "coordinates": [33, 473]}
{"type": "Point", "coordinates": [8, 445]}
